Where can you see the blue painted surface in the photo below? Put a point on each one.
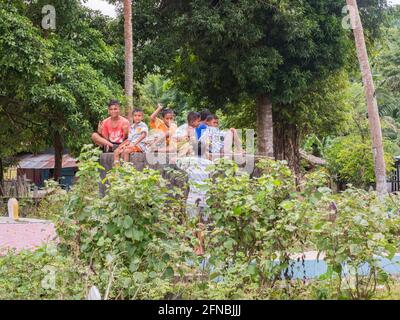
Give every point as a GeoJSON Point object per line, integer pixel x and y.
{"type": "Point", "coordinates": [313, 269]}
{"type": "Point", "coordinates": [66, 180]}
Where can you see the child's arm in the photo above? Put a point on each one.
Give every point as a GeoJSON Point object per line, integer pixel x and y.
{"type": "Point", "coordinates": [126, 129]}
{"type": "Point", "coordinates": [155, 113]}
{"type": "Point", "coordinates": [173, 143]}
{"type": "Point", "coordinates": [124, 144]}
{"type": "Point", "coordinates": [100, 128]}
{"type": "Point", "coordinates": [140, 139]}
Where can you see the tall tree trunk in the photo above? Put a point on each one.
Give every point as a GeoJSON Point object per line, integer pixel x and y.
{"type": "Point", "coordinates": [373, 115]}
{"type": "Point", "coordinates": [128, 56]}
{"type": "Point", "coordinates": [265, 132]}
{"type": "Point", "coordinates": [286, 144]}
{"type": "Point", "coordinates": [58, 149]}
{"type": "Point", "coordinates": [1, 177]}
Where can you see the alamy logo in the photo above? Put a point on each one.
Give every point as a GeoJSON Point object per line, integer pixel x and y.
{"type": "Point", "coordinates": [49, 20]}
{"type": "Point", "coordinates": [49, 280]}
{"type": "Point", "coordinates": [349, 21]}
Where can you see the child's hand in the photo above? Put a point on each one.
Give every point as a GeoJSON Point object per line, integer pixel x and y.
{"type": "Point", "coordinates": [125, 127]}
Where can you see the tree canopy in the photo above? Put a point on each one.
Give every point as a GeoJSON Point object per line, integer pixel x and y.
{"type": "Point", "coordinates": [54, 85]}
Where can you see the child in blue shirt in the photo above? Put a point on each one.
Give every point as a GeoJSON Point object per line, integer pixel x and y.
{"type": "Point", "coordinates": [216, 141]}
{"type": "Point", "coordinates": [203, 117]}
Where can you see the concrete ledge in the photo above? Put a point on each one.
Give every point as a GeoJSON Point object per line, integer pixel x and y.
{"type": "Point", "coordinates": [163, 162]}
{"type": "Point", "coordinates": [140, 162]}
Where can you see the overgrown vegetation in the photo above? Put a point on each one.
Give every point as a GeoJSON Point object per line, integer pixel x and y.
{"type": "Point", "coordinates": [137, 242]}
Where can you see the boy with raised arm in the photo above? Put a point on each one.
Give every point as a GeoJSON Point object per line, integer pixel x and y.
{"type": "Point", "coordinates": [163, 128]}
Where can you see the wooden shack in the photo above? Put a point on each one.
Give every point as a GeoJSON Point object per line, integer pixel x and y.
{"type": "Point", "coordinates": [40, 167]}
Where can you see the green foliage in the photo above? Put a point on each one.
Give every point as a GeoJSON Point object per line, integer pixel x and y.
{"type": "Point", "coordinates": [29, 275]}
{"type": "Point", "coordinates": [157, 88]}
{"type": "Point", "coordinates": [135, 233]}
{"type": "Point", "coordinates": [350, 160]}
{"type": "Point", "coordinates": [136, 242]}
{"type": "Point", "coordinates": [24, 58]}
{"type": "Point", "coordinates": [353, 231]}
{"type": "Point", "coordinates": [254, 221]}
{"type": "Point", "coordinates": [316, 146]}
{"type": "Point", "coordinates": [268, 47]}
{"type": "Point", "coordinates": [51, 83]}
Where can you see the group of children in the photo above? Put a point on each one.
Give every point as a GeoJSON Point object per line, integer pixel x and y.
{"type": "Point", "coordinates": [200, 135]}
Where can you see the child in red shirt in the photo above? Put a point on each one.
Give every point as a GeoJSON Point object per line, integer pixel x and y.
{"type": "Point", "coordinates": [112, 131]}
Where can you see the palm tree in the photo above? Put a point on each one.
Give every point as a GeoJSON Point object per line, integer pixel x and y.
{"type": "Point", "coordinates": [128, 56]}
{"type": "Point", "coordinates": [369, 88]}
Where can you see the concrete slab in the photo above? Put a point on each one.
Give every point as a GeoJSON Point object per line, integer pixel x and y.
{"type": "Point", "coordinates": [25, 234]}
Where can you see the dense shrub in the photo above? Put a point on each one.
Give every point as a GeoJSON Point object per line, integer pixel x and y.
{"type": "Point", "coordinates": [354, 230]}
{"type": "Point", "coordinates": [43, 274]}
{"type": "Point", "coordinates": [253, 220]}
{"type": "Point", "coordinates": [262, 222]}
{"type": "Point", "coordinates": [137, 242]}
{"type": "Point", "coordinates": [135, 234]}
{"type": "Point", "coordinates": [350, 160]}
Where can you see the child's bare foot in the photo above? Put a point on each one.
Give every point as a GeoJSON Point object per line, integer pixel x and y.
{"type": "Point", "coordinates": [199, 250]}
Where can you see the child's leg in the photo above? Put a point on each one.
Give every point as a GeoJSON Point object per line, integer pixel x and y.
{"type": "Point", "coordinates": [118, 152]}
{"type": "Point", "coordinates": [129, 150]}
{"type": "Point", "coordinates": [199, 234]}
{"type": "Point", "coordinates": [237, 142]}
{"type": "Point", "coordinates": [126, 154]}
{"type": "Point", "coordinates": [228, 141]}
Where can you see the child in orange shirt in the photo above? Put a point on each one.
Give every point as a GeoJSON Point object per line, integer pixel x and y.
{"type": "Point", "coordinates": [164, 126]}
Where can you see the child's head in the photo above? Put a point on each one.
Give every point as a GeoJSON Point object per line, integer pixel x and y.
{"type": "Point", "coordinates": [193, 119]}
{"type": "Point", "coordinates": [204, 114]}
{"type": "Point", "coordinates": [167, 116]}
{"type": "Point", "coordinates": [113, 108]}
{"type": "Point", "coordinates": [212, 121]}
{"type": "Point", "coordinates": [137, 115]}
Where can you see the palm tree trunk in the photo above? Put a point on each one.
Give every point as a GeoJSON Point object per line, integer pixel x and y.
{"type": "Point", "coordinates": [373, 115]}
{"type": "Point", "coordinates": [58, 149]}
{"type": "Point", "coordinates": [128, 56]}
{"type": "Point", "coordinates": [265, 130]}
{"type": "Point", "coordinates": [1, 177]}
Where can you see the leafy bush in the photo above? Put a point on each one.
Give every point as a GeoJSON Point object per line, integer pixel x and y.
{"type": "Point", "coordinates": [253, 220]}
{"type": "Point", "coordinates": [350, 160]}
{"type": "Point", "coordinates": [133, 235]}
{"type": "Point", "coordinates": [260, 223]}
{"type": "Point", "coordinates": [137, 243]}
{"type": "Point", "coordinates": [353, 231]}
{"type": "Point", "coordinates": [43, 274]}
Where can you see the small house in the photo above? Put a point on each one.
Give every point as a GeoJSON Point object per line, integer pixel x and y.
{"type": "Point", "coordinates": [40, 167]}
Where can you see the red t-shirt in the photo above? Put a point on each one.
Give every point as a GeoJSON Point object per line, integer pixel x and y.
{"type": "Point", "coordinates": [114, 132]}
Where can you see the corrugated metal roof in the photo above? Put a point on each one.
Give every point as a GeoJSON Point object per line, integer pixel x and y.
{"type": "Point", "coordinates": [45, 161]}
